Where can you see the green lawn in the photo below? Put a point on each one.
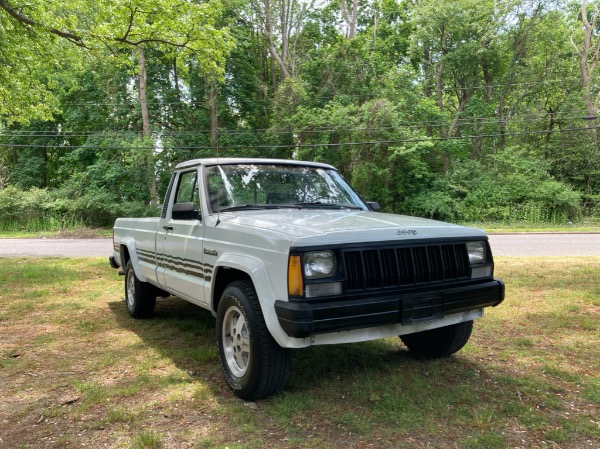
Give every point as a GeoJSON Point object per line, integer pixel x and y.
{"type": "Point", "coordinates": [590, 225]}
{"type": "Point", "coordinates": [587, 225]}
{"type": "Point", "coordinates": [90, 233]}
{"type": "Point", "coordinates": [76, 371]}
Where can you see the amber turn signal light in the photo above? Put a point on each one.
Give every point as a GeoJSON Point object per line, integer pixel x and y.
{"type": "Point", "coordinates": [295, 284]}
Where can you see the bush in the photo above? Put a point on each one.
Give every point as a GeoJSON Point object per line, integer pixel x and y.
{"type": "Point", "coordinates": [510, 187]}
{"type": "Point", "coordinates": [434, 204]}
{"type": "Point", "coordinates": [31, 210]}
{"type": "Point", "coordinates": [41, 210]}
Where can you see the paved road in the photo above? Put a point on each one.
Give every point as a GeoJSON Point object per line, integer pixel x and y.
{"type": "Point", "coordinates": [545, 244]}
{"type": "Point", "coordinates": [502, 245]}
{"type": "Point", "coordinates": [55, 247]}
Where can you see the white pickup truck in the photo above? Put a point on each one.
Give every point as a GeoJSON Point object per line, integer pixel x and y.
{"type": "Point", "coordinates": [285, 254]}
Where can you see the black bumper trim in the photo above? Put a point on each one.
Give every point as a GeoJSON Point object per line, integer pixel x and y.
{"type": "Point", "coordinates": [113, 263]}
{"type": "Point", "coordinates": [303, 319]}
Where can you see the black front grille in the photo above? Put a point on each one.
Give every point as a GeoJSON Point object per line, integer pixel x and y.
{"type": "Point", "coordinates": [388, 267]}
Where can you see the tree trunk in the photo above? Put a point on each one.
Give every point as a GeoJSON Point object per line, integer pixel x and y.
{"type": "Point", "coordinates": [551, 125]}
{"type": "Point", "coordinates": [285, 37]}
{"type": "Point", "coordinates": [142, 93]}
{"type": "Point", "coordinates": [176, 79]}
{"type": "Point", "coordinates": [502, 123]}
{"type": "Point", "coordinates": [274, 53]}
{"type": "Point", "coordinates": [45, 180]}
{"type": "Point", "coordinates": [588, 59]}
{"type": "Point", "coordinates": [214, 117]}
{"type": "Point", "coordinates": [146, 132]}
{"type": "Point", "coordinates": [439, 92]}
{"type": "Point", "coordinates": [464, 98]}
{"type": "Point", "coordinates": [427, 91]}
{"type": "Point", "coordinates": [350, 17]}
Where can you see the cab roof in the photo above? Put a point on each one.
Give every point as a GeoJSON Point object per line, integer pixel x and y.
{"type": "Point", "coordinates": [257, 161]}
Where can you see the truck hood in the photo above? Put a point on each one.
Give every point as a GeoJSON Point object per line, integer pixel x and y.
{"type": "Point", "coordinates": [314, 227]}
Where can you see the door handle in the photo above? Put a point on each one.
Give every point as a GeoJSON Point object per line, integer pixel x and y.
{"type": "Point", "coordinates": [168, 228]}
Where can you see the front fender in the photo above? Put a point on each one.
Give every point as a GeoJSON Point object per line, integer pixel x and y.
{"type": "Point", "coordinates": [259, 274]}
{"type": "Point", "coordinates": [129, 243]}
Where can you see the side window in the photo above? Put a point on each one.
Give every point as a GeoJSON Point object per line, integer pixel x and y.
{"type": "Point", "coordinates": [167, 198]}
{"type": "Point", "coordinates": [187, 190]}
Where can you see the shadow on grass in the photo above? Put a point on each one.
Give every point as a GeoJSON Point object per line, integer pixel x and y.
{"type": "Point", "coordinates": [185, 334]}
{"type": "Point", "coordinates": [370, 389]}
{"type": "Point", "coordinates": [181, 332]}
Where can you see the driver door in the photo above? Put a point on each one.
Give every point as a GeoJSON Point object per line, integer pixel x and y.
{"type": "Point", "coordinates": [181, 258]}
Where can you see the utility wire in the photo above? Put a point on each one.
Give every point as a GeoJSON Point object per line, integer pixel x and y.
{"type": "Point", "coordinates": [449, 90]}
{"type": "Point", "coordinates": [472, 121]}
{"type": "Point", "coordinates": [315, 145]}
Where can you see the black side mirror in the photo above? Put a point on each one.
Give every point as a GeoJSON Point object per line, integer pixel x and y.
{"type": "Point", "coordinates": [374, 206]}
{"type": "Point", "coordinates": [184, 211]}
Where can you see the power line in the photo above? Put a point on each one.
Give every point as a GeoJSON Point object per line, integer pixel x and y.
{"type": "Point", "coordinates": [315, 145]}
{"type": "Point", "coordinates": [471, 121]}
{"type": "Point", "coordinates": [448, 90]}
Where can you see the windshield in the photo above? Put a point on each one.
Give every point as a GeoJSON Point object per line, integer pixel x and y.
{"type": "Point", "coordinates": [257, 186]}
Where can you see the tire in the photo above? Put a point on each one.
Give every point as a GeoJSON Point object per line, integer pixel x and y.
{"type": "Point", "coordinates": [140, 297]}
{"type": "Point", "coordinates": [440, 342]}
{"type": "Point", "coordinates": [254, 365]}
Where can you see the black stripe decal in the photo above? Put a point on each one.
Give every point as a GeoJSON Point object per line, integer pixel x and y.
{"type": "Point", "coordinates": [180, 265]}
{"type": "Point", "coordinates": [160, 257]}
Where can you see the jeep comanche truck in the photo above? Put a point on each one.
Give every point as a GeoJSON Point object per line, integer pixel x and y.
{"type": "Point", "coordinates": [285, 254]}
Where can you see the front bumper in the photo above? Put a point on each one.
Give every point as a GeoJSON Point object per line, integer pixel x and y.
{"type": "Point", "coordinates": [303, 319]}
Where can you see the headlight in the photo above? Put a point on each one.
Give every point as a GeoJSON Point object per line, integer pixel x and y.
{"type": "Point", "coordinates": [319, 265]}
{"type": "Point", "coordinates": [476, 252]}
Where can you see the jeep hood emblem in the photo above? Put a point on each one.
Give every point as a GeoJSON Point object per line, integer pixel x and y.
{"type": "Point", "coordinates": [406, 232]}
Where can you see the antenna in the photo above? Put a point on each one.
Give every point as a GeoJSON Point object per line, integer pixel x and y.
{"type": "Point", "coordinates": [218, 193]}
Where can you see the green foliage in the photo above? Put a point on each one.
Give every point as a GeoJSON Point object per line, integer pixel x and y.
{"type": "Point", "coordinates": [462, 110]}
{"type": "Point", "coordinates": [177, 28]}
{"type": "Point", "coordinates": [32, 46]}
{"type": "Point", "coordinates": [512, 185]}
{"type": "Point", "coordinates": [44, 210]}
{"type": "Point", "coordinates": [31, 169]}
{"type": "Point", "coordinates": [23, 93]}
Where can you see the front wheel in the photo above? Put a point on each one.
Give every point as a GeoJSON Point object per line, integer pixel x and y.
{"type": "Point", "coordinates": [254, 365]}
{"type": "Point", "coordinates": [140, 297]}
{"type": "Point", "coordinates": [440, 342]}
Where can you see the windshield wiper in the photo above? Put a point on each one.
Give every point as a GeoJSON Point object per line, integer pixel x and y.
{"type": "Point", "coordinates": [255, 207]}
{"type": "Point", "coordinates": [307, 204]}
{"type": "Point", "coordinates": [319, 204]}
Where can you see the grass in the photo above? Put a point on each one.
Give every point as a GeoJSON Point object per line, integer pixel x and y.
{"type": "Point", "coordinates": [75, 370]}
{"type": "Point", "coordinates": [503, 229]}
{"type": "Point", "coordinates": [74, 233]}
{"type": "Point", "coordinates": [491, 228]}
{"type": "Point", "coordinates": [585, 225]}
{"type": "Point", "coordinates": [590, 224]}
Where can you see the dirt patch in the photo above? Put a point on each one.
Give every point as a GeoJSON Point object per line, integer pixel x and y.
{"type": "Point", "coordinates": [77, 371]}
{"type": "Point", "coordinates": [81, 233]}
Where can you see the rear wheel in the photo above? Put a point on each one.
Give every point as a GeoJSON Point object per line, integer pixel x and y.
{"type": "Point", "coordinates": [254, 365]}
{"type": "Point", "coordinates": [440, 342]}
{"type": "Point", "coordinates": [140, 297]}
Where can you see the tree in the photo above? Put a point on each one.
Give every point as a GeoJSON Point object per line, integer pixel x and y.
{"type": "Point", "coordinates": [413, 101]}
{"type": "Point", "coordinates": [283, 34]}
{"type": "Point", "coordinates": [588, 50]}
{"type": "Point", "coordinates": [180, 29]}
{"type": "Point", "coordinates": [350, 13]}
{"type": "Point", "coordinates": [26, 60]}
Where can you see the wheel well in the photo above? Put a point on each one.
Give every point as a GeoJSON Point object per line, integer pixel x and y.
{"type": "Point", "coordinates": [223, 277]}
{"type": "Point", "coordinates": [124, 256]}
